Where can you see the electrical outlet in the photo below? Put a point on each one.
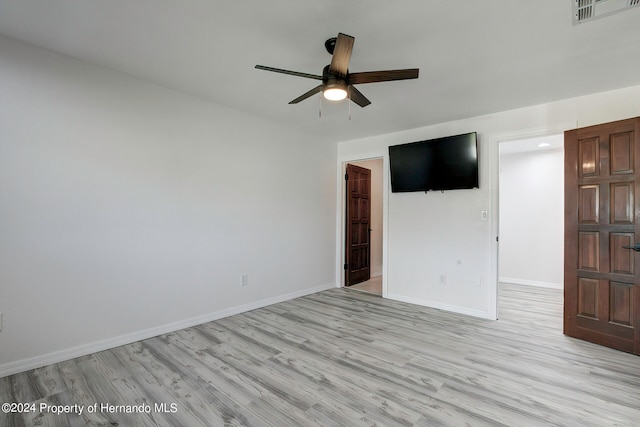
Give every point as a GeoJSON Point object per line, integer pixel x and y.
{"type": "Point", "coordinates": [443, 279]}
{"type": "Point", "coordinates": [245, 280]}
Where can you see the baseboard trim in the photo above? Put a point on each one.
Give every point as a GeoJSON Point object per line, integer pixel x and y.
{"type": "Point", "coordinates": [85, 349]}
{"type": "Point", "coordinates": [530, 283]}
{"type": "Point", "coordinates": [440, 306]}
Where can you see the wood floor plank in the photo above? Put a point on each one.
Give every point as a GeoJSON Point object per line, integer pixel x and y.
{"type": "Point", "coordinates": [346, 358]}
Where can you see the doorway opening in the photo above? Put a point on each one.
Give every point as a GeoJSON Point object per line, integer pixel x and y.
{"type": "Point", "coordinates": [373, 283]}
{"type": "Point", "coordinates": [531, 213]}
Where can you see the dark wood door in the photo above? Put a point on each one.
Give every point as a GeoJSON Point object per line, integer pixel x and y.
{"type": "Point", "coordinates": [602, 219]}
{"type": "Point", "coordinates": [358, 233]}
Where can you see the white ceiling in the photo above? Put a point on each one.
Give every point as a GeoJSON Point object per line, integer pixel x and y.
{"type": "Point", "coordinates": [475, 57]}
{"type": "Point", "coordinates": [532, 145]}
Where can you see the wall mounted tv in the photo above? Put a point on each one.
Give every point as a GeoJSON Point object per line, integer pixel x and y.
{"type": "Point", "coordinates": [449, 163]}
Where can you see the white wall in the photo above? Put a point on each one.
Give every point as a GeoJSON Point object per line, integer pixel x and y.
{"type": "Point", "coordinates": [435, 234]}
{"type": "Point", "coordinates": [375, 166]}
{"type": "Point", "coordinates": [532, 217]}
{"type": "Point", "coordinates": [127, 209]}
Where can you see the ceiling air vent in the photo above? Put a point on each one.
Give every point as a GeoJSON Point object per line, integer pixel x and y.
{"type": "Point", "coordinates": [587, 10]}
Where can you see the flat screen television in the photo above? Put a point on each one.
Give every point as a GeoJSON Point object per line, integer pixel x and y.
{"type": "Point", "coordinates": [449, 163]}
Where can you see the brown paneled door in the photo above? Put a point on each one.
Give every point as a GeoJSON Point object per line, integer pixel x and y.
{"type": "Point", "coordinates": [602, 228]}
{"type": "Point", "coordinates": [357, 242]}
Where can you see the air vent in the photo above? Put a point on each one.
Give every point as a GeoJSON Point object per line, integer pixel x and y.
{"type": "Point", "coordinates": [587, 10]}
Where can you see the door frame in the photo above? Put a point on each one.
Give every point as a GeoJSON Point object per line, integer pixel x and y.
{"type": "Point", "coordinates": [341, 213]}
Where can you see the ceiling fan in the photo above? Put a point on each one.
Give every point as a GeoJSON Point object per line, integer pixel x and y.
{"type": "Point", "coordinates": [337, 82]}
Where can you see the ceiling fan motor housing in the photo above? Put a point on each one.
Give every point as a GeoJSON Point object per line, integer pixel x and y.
{"type": "Point", "coordinates": [331, 78]}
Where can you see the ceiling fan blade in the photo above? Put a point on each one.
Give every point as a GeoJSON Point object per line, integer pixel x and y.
{"type": "Point", "coordinates": [383, 76]}
{"type": "Point", "coordinates": [308, 94]}
{"type": "Point", "coordinates": [357, 97]}
{"type": "Point", "coordinates": [341, 55]}
{"type": "Point", "coordinates": [291, 73]}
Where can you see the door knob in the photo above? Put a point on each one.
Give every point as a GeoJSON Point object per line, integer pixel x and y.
{"type": "Point", "coordinates": [635, 247]}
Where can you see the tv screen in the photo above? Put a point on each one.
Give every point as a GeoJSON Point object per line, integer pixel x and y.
{"type": "Point", "coordinates": [449, 163]}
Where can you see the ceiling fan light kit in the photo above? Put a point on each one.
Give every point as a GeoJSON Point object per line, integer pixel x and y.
{"type": "Point", "coordinates": [337, 82]}
{"type": "Point", "coordinates": [335, 91]}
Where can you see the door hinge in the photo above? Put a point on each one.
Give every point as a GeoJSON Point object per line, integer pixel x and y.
{"type": "Point", "coordinates": [346, 177]}
{"type": "Point", "coordinates": [346, 266]}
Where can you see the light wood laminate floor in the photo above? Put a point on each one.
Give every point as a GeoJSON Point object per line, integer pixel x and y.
{"type": "Point", "coordinates": [345, 358]}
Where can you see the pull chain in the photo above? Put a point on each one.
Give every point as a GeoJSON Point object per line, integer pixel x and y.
{"type": "Point", "coordinates": [349, 100]}
{"type": "Point", "coordinates": [320, 107]}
